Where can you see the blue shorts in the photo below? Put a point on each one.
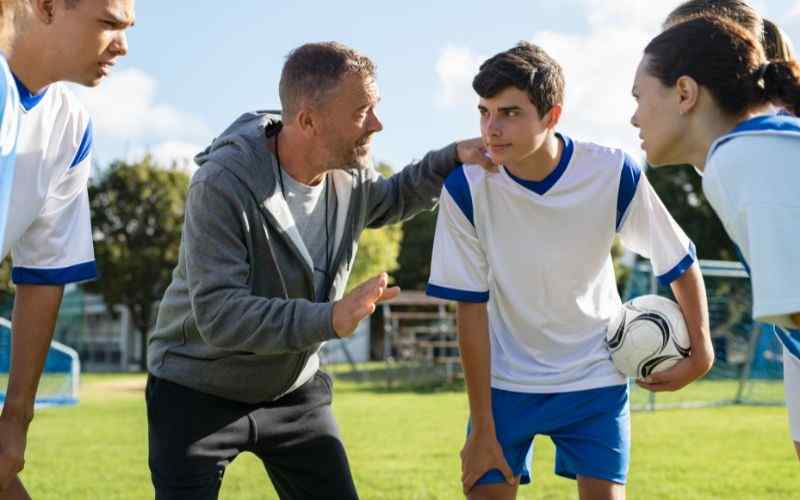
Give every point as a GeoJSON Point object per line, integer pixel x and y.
{"type": "Point", "coordinates": [590, 429]}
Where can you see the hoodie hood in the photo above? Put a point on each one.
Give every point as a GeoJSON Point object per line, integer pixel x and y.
{"type": "Point", "coordinates": [244, 150]}
{"type": "Point", "coordinates": [245, 135]}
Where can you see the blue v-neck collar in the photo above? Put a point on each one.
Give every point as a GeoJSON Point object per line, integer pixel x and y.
{"type": "Point", "coordinates": [28, 99]}
{"type": "Point", "coordinates": [543, 186]}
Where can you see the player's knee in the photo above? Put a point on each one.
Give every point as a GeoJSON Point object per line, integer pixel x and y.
{"type": "Point", "coordinates": [500, 491]}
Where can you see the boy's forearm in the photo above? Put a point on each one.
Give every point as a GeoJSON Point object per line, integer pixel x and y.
{"type": "Point", "coordinates": [33, 321]}
{"type": "Point", "coordinates": [473, 341]}
{"type": "Point", "coordinates": [690, 292]}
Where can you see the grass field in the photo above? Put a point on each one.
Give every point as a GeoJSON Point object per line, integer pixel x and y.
{"type": "Point", "coordinates": [403, 444]}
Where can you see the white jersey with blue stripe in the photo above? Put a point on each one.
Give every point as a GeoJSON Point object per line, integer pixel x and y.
{"type": "Point", "coordinates": [752, 180]}
{"type": "Point", "coordinates": [9, 130]}
{"type": "Point", "coordinates": [539, 254]}
{"type": "Point", "coordinates": [48, 230]}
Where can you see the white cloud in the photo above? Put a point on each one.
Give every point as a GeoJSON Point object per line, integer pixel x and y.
{"type": "Point", "coordinates": [795, 10]}
{"type": "Point", "coordinates": [169, 154]}
{"type": "Point", "coordinates": [455, 68]}
{"type": "Point", "coordinates": [125, 107]}
{"type": "Point", "coordinates": [599, 66]}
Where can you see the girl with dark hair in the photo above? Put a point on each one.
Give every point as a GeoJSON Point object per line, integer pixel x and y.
{"type": "Point", "coordinates": [701, 88]}
{"type": "Point", "coordinates": [737, 11]}
{"type": "Point", "coordinates": [777, 44]}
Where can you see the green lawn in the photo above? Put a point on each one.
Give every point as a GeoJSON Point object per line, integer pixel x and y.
{"type": "Point", "coordinates": [403, 444]}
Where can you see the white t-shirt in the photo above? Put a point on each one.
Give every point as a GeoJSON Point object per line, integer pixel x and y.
{"type": "Point", "coordinates": [752, 180]}
{"type": "Point", "coordinates": [9, 130]}
{"type": "Point", "coordinates": [539, 254]}
{"type": "Point", "coordinates": [48, 229]}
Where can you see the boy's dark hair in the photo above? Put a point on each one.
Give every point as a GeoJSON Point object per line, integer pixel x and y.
{"type": "Point", "coordinates": [526, 67]}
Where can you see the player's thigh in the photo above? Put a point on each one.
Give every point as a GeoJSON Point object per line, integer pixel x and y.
{"type": "Point", "coordinates": [517, 417]}
{"type": "Point", "coordinates": [298, 441]}
{"type": "Point", "coordinates": [596, 443]}
{"type": "Point", "coordinates": [592, 488]}
{"type": "Point", "coordinates": [498, 491]}
{"type": "Point", "coordinates": [192, 437]}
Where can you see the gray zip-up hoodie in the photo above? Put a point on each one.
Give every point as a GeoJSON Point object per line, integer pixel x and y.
{"type": "Point", "coordinates": [238, 319]}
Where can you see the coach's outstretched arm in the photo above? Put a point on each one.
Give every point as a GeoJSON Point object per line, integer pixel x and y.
{"type": "Point", "coordinates": [482, 452]}
{"type": "Point", "coordinates": [417, 186]}
{"type": "Point", "coordinates": [690, 291]}
{"type": "Point", "coordinates": [34, 318]}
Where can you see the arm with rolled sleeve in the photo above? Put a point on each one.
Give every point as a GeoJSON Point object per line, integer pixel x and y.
{"type": "Point", "coordinates": [228, 315]}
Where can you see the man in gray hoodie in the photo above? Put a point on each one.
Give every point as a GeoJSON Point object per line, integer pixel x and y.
{"type": "Point", "coordinates": [273, 218]}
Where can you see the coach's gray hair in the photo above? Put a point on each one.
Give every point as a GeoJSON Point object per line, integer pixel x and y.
{"type": "Point", "coordinates": [312, 70]}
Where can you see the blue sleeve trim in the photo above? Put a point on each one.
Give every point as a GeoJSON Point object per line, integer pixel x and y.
{"type": "Point", "coordinates": [85, 147]}
{"type": "Point", "coordinates": [628, 181]}
{"type": "Point", "coordinates": [60, 276]}
{"type": "Point", "coordinates": [458, 187]}
{"type": "Point", "coordinates": [790, 339]}
{"type": "Point", "coordinates": [683, 266]}
{"type": "Point", "coordinates": [457, 295]}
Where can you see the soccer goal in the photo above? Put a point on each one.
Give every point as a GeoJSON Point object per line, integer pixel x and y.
{"type": "Point", "coordinates": [59, 382]}
{"type": "Point", "coordinates": [748, 367]}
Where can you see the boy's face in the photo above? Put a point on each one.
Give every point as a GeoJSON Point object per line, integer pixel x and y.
{"type": "Point", "coordinates": [95, 30]}
{"type": "Point", "coordinates": [511, 127]}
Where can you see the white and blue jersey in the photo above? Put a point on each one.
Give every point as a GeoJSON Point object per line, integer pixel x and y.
{"type": "Point", "coordinates": [47, 227]}
{"type": "Point", "coordinates": [9, 130]}
{"type": "Point", "coordinates": [539, 254]}
{"type": "Point", "coordinates": [752, 180]}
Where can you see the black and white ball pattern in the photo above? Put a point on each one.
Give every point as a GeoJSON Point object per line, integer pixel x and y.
{"type": "Point", "coordinates": [648, 335]}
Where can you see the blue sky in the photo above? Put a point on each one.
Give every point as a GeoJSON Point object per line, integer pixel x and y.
{"type": "Point", "coordinates": [194, 66]}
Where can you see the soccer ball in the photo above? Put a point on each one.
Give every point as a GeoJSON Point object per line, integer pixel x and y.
{"type": "Point", "coordinates": [648, 335]}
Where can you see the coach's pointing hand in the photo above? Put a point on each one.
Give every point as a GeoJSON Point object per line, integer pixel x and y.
{"type": "Point", "coordinates": [360, 303]}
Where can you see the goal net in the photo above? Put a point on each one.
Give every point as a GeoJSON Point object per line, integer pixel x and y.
{"type": "Point", "coordinates": [59, 382]}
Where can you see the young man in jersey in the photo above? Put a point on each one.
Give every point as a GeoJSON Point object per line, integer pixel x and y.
{"type": "Point", "coordinates": [526, 253]}
{"type": "Point", "coordinates": [48, 231]}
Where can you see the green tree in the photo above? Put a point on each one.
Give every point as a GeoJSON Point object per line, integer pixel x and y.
{"type": "Point", "coordinates": [6, 288]}
{"type": "Point", "coordinates": [377, 248]}
{"type": "Point", "coordinates": [680, 188]}
{"type": "Point", "coordinates": [415, 252]}
{"type": "Point", "coordinates": [137, 215]}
